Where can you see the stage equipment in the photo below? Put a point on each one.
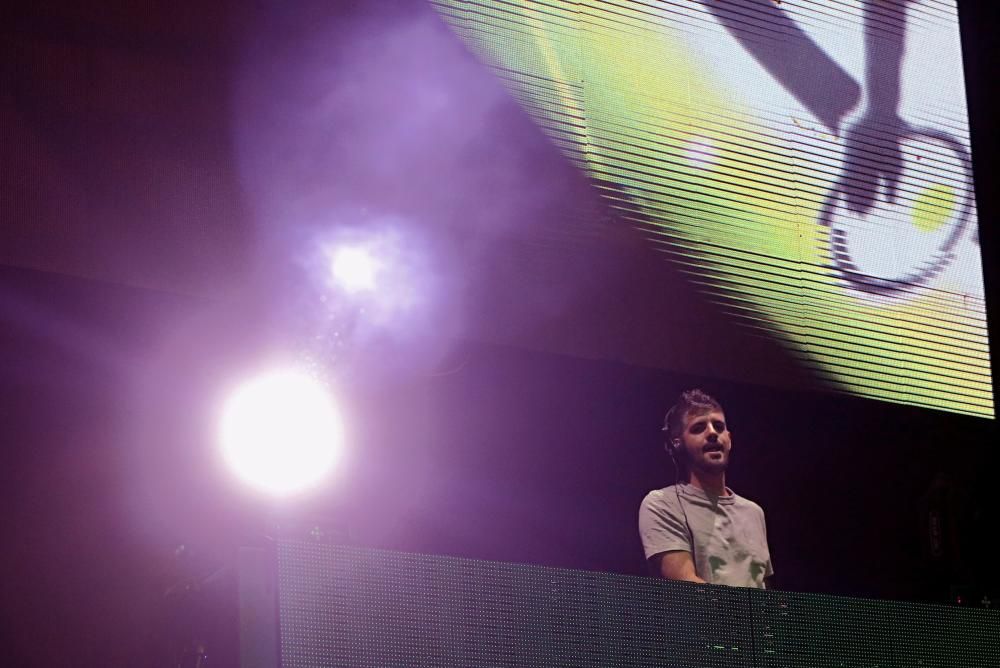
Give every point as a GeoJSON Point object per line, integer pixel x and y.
{"type": "Point", "coordinates": [350, 606]}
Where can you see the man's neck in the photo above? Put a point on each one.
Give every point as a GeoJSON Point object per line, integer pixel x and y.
{"type": "Point", "coordinates": [712, 485]}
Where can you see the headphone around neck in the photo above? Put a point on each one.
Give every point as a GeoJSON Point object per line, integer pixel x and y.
{"type": "Point", "coordinates": [677, 454]}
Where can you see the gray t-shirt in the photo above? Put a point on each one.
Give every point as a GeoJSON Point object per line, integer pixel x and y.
{"type": "Point", "coordinates": [730, 538]}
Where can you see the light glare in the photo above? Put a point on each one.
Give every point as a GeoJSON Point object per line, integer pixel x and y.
{"type": "Point", "coordinates": [281, 432]}
{"type": "Point", "coordinates": [354, 269]}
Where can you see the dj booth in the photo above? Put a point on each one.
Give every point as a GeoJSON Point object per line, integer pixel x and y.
{"type": "Point", "coordinates": [309, 604]}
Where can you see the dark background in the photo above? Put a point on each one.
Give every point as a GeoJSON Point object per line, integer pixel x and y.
{"type": "Point", "coordinates": [141, 271]}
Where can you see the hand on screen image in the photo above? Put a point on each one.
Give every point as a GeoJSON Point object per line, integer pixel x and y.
{"type": "Point", "coordinates": [873, 161]}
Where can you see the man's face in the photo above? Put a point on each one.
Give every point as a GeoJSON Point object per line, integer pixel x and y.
{"type": "Point", "coordinates": [706, 440]}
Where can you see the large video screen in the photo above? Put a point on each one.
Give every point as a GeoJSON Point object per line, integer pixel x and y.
{"type": "Point", "coordinates": [805, 164]}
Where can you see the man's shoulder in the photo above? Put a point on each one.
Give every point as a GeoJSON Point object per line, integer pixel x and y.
{"type": "Point", "coordinates": [664, 496]}
{"type": "Point", "coordinates": [745, 503]}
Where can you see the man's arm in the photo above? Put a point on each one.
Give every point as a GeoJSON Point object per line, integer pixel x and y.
{"type": "Point", "coordinates": [666, 539]}
{"type": "Point", "coordinates": [675, 565]}
{"type": "Point", "coordinates": [873, 144]}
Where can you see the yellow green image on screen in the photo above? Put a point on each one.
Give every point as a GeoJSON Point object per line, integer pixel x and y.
{"type": "Point", "coordinates": [806, 164]}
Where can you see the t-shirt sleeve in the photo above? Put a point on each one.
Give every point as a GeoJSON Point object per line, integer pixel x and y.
{"type": "Point", "coordinates": [769, 571]}
{"type": "Point", "coordinates": [661, 525]}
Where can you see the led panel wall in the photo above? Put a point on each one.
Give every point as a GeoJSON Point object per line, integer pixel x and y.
{"type": "Point", "coordinates": [806, 164]}
{"type": "Point", "coordinates": [344, 606]}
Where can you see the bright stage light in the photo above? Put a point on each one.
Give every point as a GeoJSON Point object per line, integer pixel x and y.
{"type": "Point", "coordinates": [281, 432]}
{"type": "Point", "coordinates": [354, 269]}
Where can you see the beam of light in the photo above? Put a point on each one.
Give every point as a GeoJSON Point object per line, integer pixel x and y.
{"type": "Point", "coordinates": [281, 432]}
{"type": "Point", "coordinates": [354, 269]}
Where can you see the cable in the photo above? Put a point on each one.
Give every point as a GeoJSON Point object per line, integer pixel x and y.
{"type": "Point", "coordinates": [687, 522]}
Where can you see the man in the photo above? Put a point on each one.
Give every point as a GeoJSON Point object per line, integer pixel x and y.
{"type": "Point", "coordinates": [700, 530]}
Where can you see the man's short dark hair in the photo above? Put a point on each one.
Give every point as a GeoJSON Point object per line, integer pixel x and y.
{"type": "Point", "coordinates": [690, 401]}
